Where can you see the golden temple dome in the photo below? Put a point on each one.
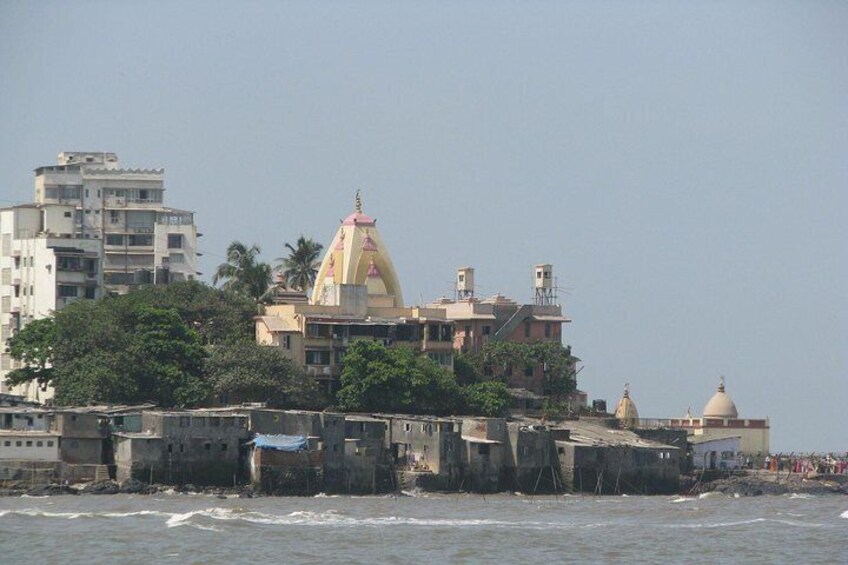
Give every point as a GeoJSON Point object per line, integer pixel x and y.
{"type": "Point", "coordinates": [720, 405]}
{"type": "Point", "coordinates": [358, 256]}
{"type": "Point", "coordinates": [626, 408]}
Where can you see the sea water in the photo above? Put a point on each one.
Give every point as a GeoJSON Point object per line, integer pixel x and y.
{"type": "Point", "coordinates": [425, 528]}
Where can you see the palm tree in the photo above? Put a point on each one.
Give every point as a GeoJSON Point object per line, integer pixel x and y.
{"type": "Point", "coordinates": [243, 273]}
{"type": "Point", "coordinates": [301, 266]}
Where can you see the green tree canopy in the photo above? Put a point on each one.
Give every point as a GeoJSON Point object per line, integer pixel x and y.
{"type": "Point", "coordinates": [376, 378]}
{"type": "Point", "coordinates": [117, 351]}
{"type": "Point", "coordinates": [300, 267]}
{"type": "Point", "coordinates": [217, 315]}
{"type": "Point", "coordinates": [34, 348]}
{"type": "Point", "coordinates": [243, 273]}
{"type": "Point", "coordinates": [248, 372]}
{"type": "Point", "coordinates": [488, 398]}
{"type": "Point", "coordinates": [499, 358]}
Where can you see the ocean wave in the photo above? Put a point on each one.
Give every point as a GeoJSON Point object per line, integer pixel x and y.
{"type": "Point", "coordinates": [844, 514]}
{"type": "Point", "coordinates": [36, 513]}
{"type": "Point", "coordinates": [680, 499]}
{"type": "Point", "coordinates": [800, 495]}
{"type": "Point", "coordinates": [793, 523]}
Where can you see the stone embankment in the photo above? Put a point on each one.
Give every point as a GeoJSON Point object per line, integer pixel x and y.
{"type": "Point", "coordinates": [130, 486]}
{"type": "Point", "coordinates": [757, 483]}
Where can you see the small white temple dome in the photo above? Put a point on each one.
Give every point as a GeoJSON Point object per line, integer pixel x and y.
{"type": "Point", "coordinates": [720, 405]}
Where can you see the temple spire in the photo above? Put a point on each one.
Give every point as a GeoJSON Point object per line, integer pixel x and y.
{"type": "Point", "coordinates": [358, 202]}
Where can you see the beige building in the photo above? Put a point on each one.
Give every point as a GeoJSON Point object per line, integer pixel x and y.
{"type": "Point", "coordinates": [144, 241]}
{"type": "Point", "coordinates": [720, 420]}
{"type": "Point", "coordinates": [357, 296]}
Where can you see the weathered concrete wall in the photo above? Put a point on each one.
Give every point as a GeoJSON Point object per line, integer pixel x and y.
{"type": "Point", "coordinates": [183, 448]}
{"type": "Point", "coordinates": [530, 462]}
{"type": "Point", "coordinates": [673, 438]}
{"type": "Point", "coordinates": [82, 451]}
{"type": "Point", "coordinates": [433, 445]}
{"type": "Point", "coordinates": [33, 472]}
{"type": "Point", "coordinates": [485, 428]}
{"type": "Point", "coordinates": [287, 473]}
{"type": "Point", "coordinates": [484, 469]}
{"type": "Point", "coordinates": [81, 425]}
{"type": "Point", "coordinates": [615, 469]}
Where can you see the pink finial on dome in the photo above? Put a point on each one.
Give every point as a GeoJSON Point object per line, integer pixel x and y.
{"type": "Point", "coordinates": [373, 271]}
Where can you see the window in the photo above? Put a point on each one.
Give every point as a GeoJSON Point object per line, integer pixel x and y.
{"type": "Point", "coordinates": [314, 357]}
{"type": "Point", "coordinates": [407, 427]}
{"type": "Point", "coordinates": [185, 421]}
{"type": "Point", "coordinates": [91, 293]}
{"type": "Point", "coordinates": [7, 443]}
{"type": "Point", "coordinates": [67, 214]}
{"type": "Point", "coordinates": [547, 329]}
{"type": "Point", "coordinates": [528, 370]}
{"type": "Point", "coordinates": [29, 443]}
{"type": "Point", "coordinates": [67, 291]}
{"type": "Point", "coordinates": [223, 447]}
{"type": "Point", "coordinates": [170, 448]}
{"type": "Point", "coordinates": [467, 330]}
{"type": "Point", "coordinates": [487, 330]}
{"type": "Point", "coordinates": [114, 216]}
{"type": "Point", "coordinates": [18, 444]}
{"type": "Point", "coordinates": [483, 449]}
{"type": "Point", "coordinates": [182, 448]}
{"type": "Point", "coordinates": [39, 444]}
{"type": "Point", "coordinates": [140, 240]}
{"type": "Point", "coordinates": [114, 239]}
{"type": "Point", "coordinates": [207, 446]}
{"type": "Point", "coordinates": [49, 443]}
{"type": "Point", "coordinates": [526, 329]}
{"type": "Point", "coordinates": [175, 241]}
{"type": "Point", "coordinates": [286, 342]}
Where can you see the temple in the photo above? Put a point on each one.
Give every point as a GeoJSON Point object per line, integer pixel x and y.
{"type": "Point", "coordinates": [357, 295]}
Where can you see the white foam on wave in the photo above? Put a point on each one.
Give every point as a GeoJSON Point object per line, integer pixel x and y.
{"type": "Point", "coordinates": [680, 499]}
{"type": "Point", "coordinates": [844, 514]}
{"type": "Point", "coordinates": [36, 513]}
{"type": "Point", "coordinates": [800, 495]}
{"type": "Point", "coordinates": [793, 523]}
{"type": "Point", "coordinates": [333, 518]}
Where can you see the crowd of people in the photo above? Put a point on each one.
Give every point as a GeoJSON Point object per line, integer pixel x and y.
{"type": "Point", "coordinates": [817, 463]}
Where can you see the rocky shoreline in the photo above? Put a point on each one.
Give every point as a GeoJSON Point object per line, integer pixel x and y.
{"type": "Point", "coordinates": [130, 486]}
{"type": "Point", "coordinates": [749, 484]}
{"type": "Point", "coordinates": [768, 483]}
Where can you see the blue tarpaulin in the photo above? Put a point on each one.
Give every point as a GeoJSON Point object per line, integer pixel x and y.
{"type": "Point", "coordinates": [280, 442]}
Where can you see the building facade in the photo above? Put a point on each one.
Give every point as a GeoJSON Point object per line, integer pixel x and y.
{"type": "Point", "coordinates": [144, 242]}
{"type": "Point", "coordinates": [498, 318]}
{"type": "Point", "coordinates": [45, 264]}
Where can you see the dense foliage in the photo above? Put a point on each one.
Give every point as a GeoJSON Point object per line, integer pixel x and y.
{"type": "Point", "coordinates": [380, 379]}
{"type": "Point", "coordinates": [153, 345]}
{"type": "Point", "coordinates": [499, 359]}
{"type": "Point", "coordinates": [248, 372]}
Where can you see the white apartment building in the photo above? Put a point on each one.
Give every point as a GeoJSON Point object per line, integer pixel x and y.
{"type": "Point", "coordinates": [93, 228]}
{"type": "Point", "coordinates": [144, 242]}
{"type": "Point", "coordinates": [44, 266]}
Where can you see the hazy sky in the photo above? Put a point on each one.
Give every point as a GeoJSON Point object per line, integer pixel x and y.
{"type": "Point", "coordinates": [683, 165]}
